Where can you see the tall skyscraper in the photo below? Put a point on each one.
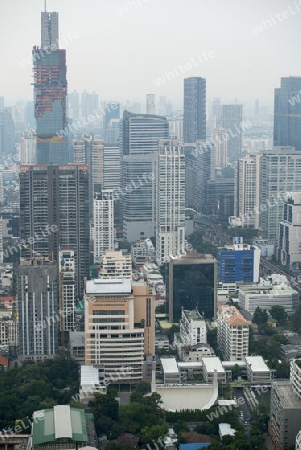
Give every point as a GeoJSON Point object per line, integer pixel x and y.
{"type": "Point", "coordinates": [7, 132]}
{"type": "Point", "coordinates": [112, 114]}
{"type": "Point", "coordinates": [194, 126]}
{"type": "Point", "coordinates": [50, 92]}
{"type": "Point", "coordinates": [67, 283]}
{"type": "Point", "coordinates": [28, 148]}
{"type": "Point", "coordinates": [103, 224]}
{"type": "Point", "coordinates": [89, 104]}
{"type": "Point", "coordinates": [54, 211]}
{"type": "Point", "coordinates": [287, 113]}
{"type": "Point", "coordinates": [289, 239]}
{"type": "Point", "coordinates": [141, 132]}
{"type": "Point", "coordinates": [90, 151]}
{"type": "Point", "coordinates": [231, 121]}
{"type": "Point", "coordinates": [247, 190]}
{"type": "Point", "coordinates": [150, 104]}
{"type": "Point", "coordinates": [221, 147]}
{"type": "Point", "coordinates": [140, 138]}
{"type": "Point", "coordinates": [49, 29]}
{"type": "Point", "coordinates": [170, 229]}
{"type": "Point", "coordinates": [38, 309]}
{"type": "Point", "coordinates": [280, 173]}
{"type": "Point", "coordinates": [138, 196]}
{"type": "Point", "coordinates": [203, 170]}
{"type": "Point", "coordinates": [73, 105]}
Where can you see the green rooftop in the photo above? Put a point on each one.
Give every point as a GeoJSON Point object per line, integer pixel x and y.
{"type": "Point", "coordinates": [60, 422]}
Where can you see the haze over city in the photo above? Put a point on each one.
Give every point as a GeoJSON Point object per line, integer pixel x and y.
{"type": "Point", "coordinates": [123, 48]}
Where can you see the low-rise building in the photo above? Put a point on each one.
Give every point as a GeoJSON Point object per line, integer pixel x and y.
{"type": "Point", "coordinates": [211, 365]}
{"type": "Point", "coordinates": [290, 351]}
{"type": "Point", "coordinates": [195, 352]}
{"type": "Point", "coordinates": [224, 429]}
{"type": "Point", "coordinates": [161, 342]}
{"type": "Point", "coordinates": [91, 384]}
{"type": "Point", "coordinates": [77, 346]}
{"type": "Point", "coordinates": [62, 427]}
{"type": "Point", "coordinates": [171, 373]}
{"type": "Point", "coordinates": [257, 370]}
{"type": "Point", "coordinates": [274, 290]}
{"type": "Point", "coordinates": [116, 264]}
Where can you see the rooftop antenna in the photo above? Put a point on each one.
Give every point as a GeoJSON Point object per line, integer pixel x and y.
{"type": "Point", "coordinates": [45, 6]}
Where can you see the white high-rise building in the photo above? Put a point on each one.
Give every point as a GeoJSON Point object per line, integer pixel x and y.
{"type": "Point", "coordinates": [192, 328]}
{"type": "Point", "coordinates": [103, 230]}
{"type": "Point", "coordinates": [90, 151]}
{"type": "Point", "coordinates": [232, 333]}
{"type": "Point", "coordinates": [221, 147]}
{"type": "Point", "coordinates": [67, 287]}
{"type": "Point", "coordinates": [289, 241]}
{"type": "Point", "coordinates": [170, 218]}
{"type": "Point", "coordinates": [150, 104]}
{"type": "Point", "coordinates": [280, 174]}
{"type": "Point", "coordinates": [28, 148]}
{"type": "Point", "coordinates": [246, 190]}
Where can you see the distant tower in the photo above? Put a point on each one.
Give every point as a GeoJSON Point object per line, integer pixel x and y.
{"type": "Point", "coordinates": [150, 104]}
{"type": "Point", "coordinates": [194, 127]}
{"type": "Point", "coordinates": [231, 121]}
{"type": "Point", "coordinates": [287, 113]}
{"type": "Point", "coordinates": [90, 151]}
{"type": "Point", "coordinates": [221, 147]}
{"type": "Point", "coordinates": [50, 93]}
{"type": "Point", "coordinates": [140, 136]}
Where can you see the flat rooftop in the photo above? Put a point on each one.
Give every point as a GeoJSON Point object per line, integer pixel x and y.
{"type": "Point", "coordinates": [89, 375]}
{"type": "Point", "coordinates": [257, 364]}
{"type": "Point", "coordinates": [193, 315]}
{"type": "Point", "coordinates": [289, 399]}
{"type": "Point", "coordinates": [77, 338]}
{"type": "Point", "coordinates": [169, 365]}
{"type": "Point", "coordinates": [213, 363]}
{"type": "Point", "coordinates": [108, 286]}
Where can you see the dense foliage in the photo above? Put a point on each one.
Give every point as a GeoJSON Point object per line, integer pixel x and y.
{"type": "Point", "coordinates": [200, 245]}
{"type": "Point", "coordinates": [32, 387]}
{"type": "Point", "coordinates": [142, 416]}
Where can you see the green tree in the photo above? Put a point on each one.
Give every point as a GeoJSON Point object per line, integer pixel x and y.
{"type": "Point", "coordinates": [296, 320]}
{"type": "Point", "coordinates": [236, 372]}
{"type": "Point", "coordinates": [278, 313]}
{"type": "Point", "coordinates": [260, 316]}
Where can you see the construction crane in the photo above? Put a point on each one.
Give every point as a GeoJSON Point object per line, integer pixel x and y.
{"type": "Point", "coordinates": [39, 257]}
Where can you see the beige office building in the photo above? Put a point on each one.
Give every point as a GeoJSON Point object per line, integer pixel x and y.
{"type": "Point", "coordinates": [119, 327]}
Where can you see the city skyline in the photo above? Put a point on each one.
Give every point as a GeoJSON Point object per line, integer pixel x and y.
{"type": "Point", "coordinates": [251, 60]}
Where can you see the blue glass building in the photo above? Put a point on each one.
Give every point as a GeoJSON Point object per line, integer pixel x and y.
{"type": "Point", "coordinates": [238, 264]}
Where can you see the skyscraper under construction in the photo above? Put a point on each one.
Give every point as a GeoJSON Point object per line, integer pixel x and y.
{"type": "Point", "coordinates": [50, 93]}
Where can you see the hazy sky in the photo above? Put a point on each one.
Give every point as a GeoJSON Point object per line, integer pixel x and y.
{"type": "Point", "coordinates": [122, 48]}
